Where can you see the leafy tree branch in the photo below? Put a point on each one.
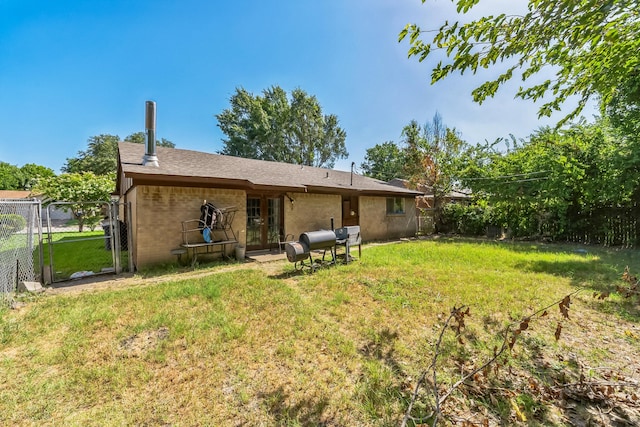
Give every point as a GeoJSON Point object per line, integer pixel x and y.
{"type": "Point", "coordinates": [593, 45]}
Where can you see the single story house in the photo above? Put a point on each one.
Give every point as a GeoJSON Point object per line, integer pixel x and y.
{"type": "Point", "coordinates": [15, 194]}
{"type": "Point", "coordinates": [271, 199]}
{"type": "Point", "coordinates": [55, 212]}
{"type": "Point", "coordinates": [425, 200]}
{"type": "Point", "coordinates": [425, 203]}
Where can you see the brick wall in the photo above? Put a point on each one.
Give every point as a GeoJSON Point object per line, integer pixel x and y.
{"type": "Point", "coordinates": [132, 197]}
{"type": "Point", "coordinates": [375, 224]}
{"type": "Point", "coordinates": [310, 212]}
{"type": "Point", "coordinates": [158, 213]}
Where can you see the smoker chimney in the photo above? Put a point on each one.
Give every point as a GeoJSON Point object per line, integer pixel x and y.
{"type": "Point", "coordinates": [150, 158]}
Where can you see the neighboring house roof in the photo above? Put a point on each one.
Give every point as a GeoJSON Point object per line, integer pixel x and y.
{"type": "Point", "coordinates": [458, 194]}
{"type": "Point", "coordinates": [428, 191]}
{"type": "Point", "coordinates": [186, 167]}
{"type": "Point", "coordinates": [15, 194]}
{"type": "Point", "coordinates": [404, 183]}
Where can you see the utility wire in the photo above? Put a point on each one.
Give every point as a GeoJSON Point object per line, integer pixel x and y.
{"type": "Point", "coordinates": [542, 178]}
{"type": "Point", "coordinates": [507, 176]}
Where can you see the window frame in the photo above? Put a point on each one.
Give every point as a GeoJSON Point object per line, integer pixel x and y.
{"type": "Point", "coordinates": [398, 205]}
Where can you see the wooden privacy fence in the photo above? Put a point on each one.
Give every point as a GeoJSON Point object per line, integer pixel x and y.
{"type": "Point", "coordinates": [607, 226]}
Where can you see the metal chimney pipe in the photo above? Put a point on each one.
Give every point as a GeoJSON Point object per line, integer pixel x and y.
{"type": "Point", "coordinates": [353, 164]}
{"type": "Point", "coordinates": [150, 158]}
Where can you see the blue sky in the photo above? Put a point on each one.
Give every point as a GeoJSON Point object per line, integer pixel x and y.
{"type": "Point", "coordinates": [73, 69]}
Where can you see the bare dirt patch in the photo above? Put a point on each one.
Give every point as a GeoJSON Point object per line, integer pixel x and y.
{"type": "Point", "coordinates": [136, 345]}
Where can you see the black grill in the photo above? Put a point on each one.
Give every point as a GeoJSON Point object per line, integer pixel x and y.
{"type": "Point", "coordinates": [318, 240]}
{"type": "Point", "coordinates": [296, 251]}
{"type": "Point", "coordinates": [322, 240]}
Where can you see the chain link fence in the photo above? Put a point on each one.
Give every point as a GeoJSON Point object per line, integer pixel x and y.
{"type": "Point", "coordinates": [20, 231]}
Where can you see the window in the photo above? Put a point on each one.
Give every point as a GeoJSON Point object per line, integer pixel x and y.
{"type": "Point", "coordinates": [395, 206]}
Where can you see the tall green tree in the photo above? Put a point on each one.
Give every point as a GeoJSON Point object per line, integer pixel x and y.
{"type": "Point", "coordinates": [274, 127]}
{"type": "Point", "coordinates": [10, 177]}
{"type": "Point", "coordinates": [592, 46]}
{"type": "Point", "coordinates": [384, 162]}
{"type": "Point", "coordinates": [414, 144]}
{"type": "Point", "coordinates": [432, 159]}
{"type": "Point", "coordinates": [141, 138]}
{"type": "Point", "coordinates": [101, 155]}
{"type": "Point", "coordinates": [22, 178]}
{"type": "Point", "coordinates": [624, 108]}
{"type": "Point", "coordinates": [80, 189]}
{"type": "Point", "coordinates": [32, 173]}
{"type": "Point", "coordinates": [552, 177]}
{"type": "Point", "coordinates": [429, 157]}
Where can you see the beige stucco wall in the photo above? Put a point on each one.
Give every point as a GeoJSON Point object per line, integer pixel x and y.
{"type": "Point", "coordinates": [158, 213]}
{"type": "Point", "coordinates": [375, 224]}
{"type": "Point", "coordinates": [310, 212]}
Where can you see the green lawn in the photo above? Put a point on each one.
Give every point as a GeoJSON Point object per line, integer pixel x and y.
{"type": "Point", "coordinates": [256, 345]}
{"type": "Point", "coordinates": [74, 252]}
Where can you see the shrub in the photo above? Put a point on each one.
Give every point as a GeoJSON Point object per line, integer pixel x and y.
{"type": "Point", "coordinates": [11, 223]}
{"type": "Point", "coordinates": [466, 220]}
{"type": "Point", "coordinates": [93, 221]}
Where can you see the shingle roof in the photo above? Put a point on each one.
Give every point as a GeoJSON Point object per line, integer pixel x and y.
{"type": "Point", "coordinates": [180, 165]}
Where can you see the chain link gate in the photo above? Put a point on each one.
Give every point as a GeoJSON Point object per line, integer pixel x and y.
{"type": "Point", "coordinates": [103, 250]}
{"type": "Point", "coordinates": [20, 249]}
{"type": "Point", "coordinates": [26, 255]}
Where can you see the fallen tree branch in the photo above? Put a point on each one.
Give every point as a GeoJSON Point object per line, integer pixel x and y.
{"type": "Point", "coordinates": [507, 342]}
{"type": "Point", "coordinates": [433, 366]}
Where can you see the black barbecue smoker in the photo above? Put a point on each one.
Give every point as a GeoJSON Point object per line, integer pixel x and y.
{"type": "Point", "coordinates": [322, 241]}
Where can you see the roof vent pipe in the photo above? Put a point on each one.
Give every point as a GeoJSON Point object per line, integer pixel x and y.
{"type": "Point", "coordinates": [150, 158]}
